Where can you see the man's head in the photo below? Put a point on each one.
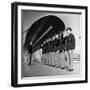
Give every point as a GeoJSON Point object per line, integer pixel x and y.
{"type": "Point", "coordinates": [68, 30]}
{"type": "Point", "coordinates": [31, 43]}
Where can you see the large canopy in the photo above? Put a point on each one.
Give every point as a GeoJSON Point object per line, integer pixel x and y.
{"type": "Point", "coordinates": [43, 28]}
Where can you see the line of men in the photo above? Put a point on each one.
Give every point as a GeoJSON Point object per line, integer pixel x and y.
{"type": "Point", "coordinates": [57, 51]}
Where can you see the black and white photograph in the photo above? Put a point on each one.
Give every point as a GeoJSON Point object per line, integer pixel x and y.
{"type": "Point", "coordinates": [51, 44]}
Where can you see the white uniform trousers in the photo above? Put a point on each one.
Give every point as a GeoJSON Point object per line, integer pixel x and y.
{"type": "Point", "coordinates": [57, 59]}
{"type": "Point", "coordinates": [62, 59]}
{"type": "Point", "coordinates": [69, 59]}
{"type": "Point", "coordinates": [53, 58]}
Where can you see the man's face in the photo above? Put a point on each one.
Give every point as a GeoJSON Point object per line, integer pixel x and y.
{"type": "Point", "coordinates": [68, 32]}
{"type": "Point", "coordinates": [64, 33]}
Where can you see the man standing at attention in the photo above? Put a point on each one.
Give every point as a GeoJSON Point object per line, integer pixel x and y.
{"type": "Point", "coordinates": [70, 46]}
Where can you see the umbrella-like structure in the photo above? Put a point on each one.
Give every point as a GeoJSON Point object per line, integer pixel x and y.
{"type": "Point", "coordinates": [43, 28]}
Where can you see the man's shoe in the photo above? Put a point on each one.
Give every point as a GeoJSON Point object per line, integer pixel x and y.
{"type": "Point", "coordinates": [70, 70]}
{"type": "Point", "coordinates": [62, 67]}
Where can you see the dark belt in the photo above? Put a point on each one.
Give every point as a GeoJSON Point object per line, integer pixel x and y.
{"type": "Point", "coordinates": [62, 51]}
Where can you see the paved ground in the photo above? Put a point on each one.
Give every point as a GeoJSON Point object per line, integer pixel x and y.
{"type": "Point", "coordinates": [45, 70]}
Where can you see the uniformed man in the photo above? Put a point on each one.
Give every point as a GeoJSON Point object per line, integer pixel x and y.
{"type": "Point", "coordinates": [53, 52]}
{"type": "Point", "coordinates": [42, 57]}
{"type": "Point", "coordinates": [62, 51]}
{"type": "Point", "coordinates": [47, 52]}
{"type": "Point", "coordinates": [56, 54]}
{"type": "Point", "coordinates": [50, 51]}
{"type": "Point", "coordinates": [30, 53]}
{"type": "Point", "coordinates": [70, 46]}
{"type": "Point", "coordinates": [44, 53]}
{"type": "Point", "coordinates": [57, 51]}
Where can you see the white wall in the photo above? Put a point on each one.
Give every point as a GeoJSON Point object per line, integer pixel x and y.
{"type": "Point", "coordinates": [5, 46]}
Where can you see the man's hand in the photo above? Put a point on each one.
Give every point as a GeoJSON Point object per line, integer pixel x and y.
{"type": "Point", "coordinates": [64, 34]}
{"type": "Point", "coordinates": [57, 51]}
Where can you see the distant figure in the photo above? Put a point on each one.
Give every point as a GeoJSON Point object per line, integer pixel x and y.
{"type": "Point", "coordinates": [37, 55]}
{"type": "Point", "coordinates": [30, 54]}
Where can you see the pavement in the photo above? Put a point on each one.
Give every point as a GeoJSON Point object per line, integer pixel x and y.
{"type": "Point", "coordinates": [37, 70]}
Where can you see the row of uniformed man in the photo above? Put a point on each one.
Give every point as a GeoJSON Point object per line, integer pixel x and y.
{"type": "Point", "coordinates": [53, 44]}
{"type": "Point", "coordinates": [57, 51]}
{"type": "Point", "coordinates": [52, 51]}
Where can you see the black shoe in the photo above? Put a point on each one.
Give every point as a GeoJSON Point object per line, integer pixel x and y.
{"type": "Point", "coordinates": [57, 66]}
{"type": "Point", "coordinates": [53, 65]}
{"type": "Point", "coordinates": [70, 70]}
{"type": "Point", "coordinates": [50, 65]}
{"type": "Point", "coordinates": [29, 64]}
{"type": "Point", "coordinates": [62, 67]}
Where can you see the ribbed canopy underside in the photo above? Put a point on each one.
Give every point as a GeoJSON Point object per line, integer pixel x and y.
{"type": "Point", "coordinates": [42, 29]}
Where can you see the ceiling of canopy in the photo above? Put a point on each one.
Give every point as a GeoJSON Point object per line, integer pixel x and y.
{"type": "Point", "coordinates": [42, 29]}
